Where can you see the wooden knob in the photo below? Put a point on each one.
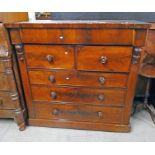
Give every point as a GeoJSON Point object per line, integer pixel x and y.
{"type": "Point", "coordinates": [103, 59]}
{"type": "Point", "coordinates": [51, 78]}
{"type": "Point", "coordinates": [100, 97]}
{"type": "Point", "coordinates": [53, 95]}
{"type": "Point", "coordinates": [55, 111]}
{"type": "Point", "coordinates": [100, 114]}
{"type": "Point", "coordinates": [50, 58]}
{"type": "Point", "coordinates": [101, 80]}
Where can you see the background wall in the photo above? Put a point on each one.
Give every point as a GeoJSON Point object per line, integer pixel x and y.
{"type": "Point", "coordinates": [142, 16]}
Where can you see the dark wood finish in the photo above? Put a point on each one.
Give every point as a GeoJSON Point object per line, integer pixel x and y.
{"type": "Point", "coordinates": [150, 42]}
{"type": "Point", "coordinates": [79, 95]}
{"type": "Point", "coordinates": [11, 101]}
{"type": "Point", "coordinates": [77, 78]}
{"type": "Point", "coordinates": [44, 56]}
{"type": "Point", "coordinates": [78, 36]}
{"type": "Point", "coordinates": [101, 58]}
{"type": "Point", "coordinates": [83, 113]}
{"type": "Point", "coordinates": [85, 24]}
{"type": "Point", "coordinates": [89, 86]}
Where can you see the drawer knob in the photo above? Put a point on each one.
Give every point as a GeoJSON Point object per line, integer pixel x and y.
{"type": "Point", "coordinates": [51, 78]}
{"type": "Point", "coordinates": [50, 58]}
{"type": "Point", "coordinates": [1, 102]}
{"type": "Point", "coordinates": [101, 80]}
{"type": "Point", "coordinates": [61, 37]}
{"type": "Point", "coordinates": [100, 97]}
{"type": "Point", "coordinates": [100, 114]}
{"type": "Point", "coordinates": [55, 111]}
{"type": "Point", "coordinates": [53, 95]}
{"type": "Point", "coordinates": [103, 59]}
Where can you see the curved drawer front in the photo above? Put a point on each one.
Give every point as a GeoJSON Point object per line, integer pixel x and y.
{"type": "Point", "coordinates": [4, 84]}
{"type": "Point", "coordinates": [79, 113]}
{"type": "Point", "coordinates": [78, 78]}
{"type": "Point", "coordinates": [46, 56]}
{"type": "Point", "coordinates": [79, 95]}
{"type": "Point", "coordinates": [2, 69]}
{"type": "Point", "coordinates": [102, 58]}
{"type": "Point", "coordinates": [6, 101]}
{"type": "Point", "coordinates": [78, 36]}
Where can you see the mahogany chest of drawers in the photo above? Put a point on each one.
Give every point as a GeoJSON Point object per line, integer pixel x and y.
{"type": "Point", "coordinates": [11, 99]}
{"type": "Point", "coordinates": [79, 74]}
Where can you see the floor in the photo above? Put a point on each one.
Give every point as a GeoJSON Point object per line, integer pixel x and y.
{"type": "Point", "coordinates": [142, 130]}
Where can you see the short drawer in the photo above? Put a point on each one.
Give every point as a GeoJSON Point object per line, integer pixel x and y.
{"type": "Point", "coordinates": [6, 101]}
{"type": "Point", "coordinates": [79, 95]}
{"type": "Point", "coordinates": [78, 36]}
{"type": "Point", "coordinates": [78, 113]}
{"type": "Point", "coordinates": [46, 56]}
{"type": "Point", "coordinates": [77, 78]}
{"type": "Point", "coordinates": [4, 83]}
{"type": "Point", "coordinates": [104, 58]}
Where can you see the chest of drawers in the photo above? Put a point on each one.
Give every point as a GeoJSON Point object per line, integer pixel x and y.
{"type": "Point", "coordinates": [11, 99]}
{"type": "Point", "coordinates": [79, 74]}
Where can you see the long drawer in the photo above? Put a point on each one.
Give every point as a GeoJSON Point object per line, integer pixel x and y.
{"type": "Point", "coordinates": [78, 113]}
{"type": "Point", "coordinates": [6, 101]}
{"type": "Point", "coordinates": [111, 97]}
{"type": "Point", "coordinates": [78, 36]}
{"type": "Point", "coordinates": [104, 58]}
{"type": "Point", "coordinates": [77, 78]}
{"type": "Point", "coordinates": [46, 56]}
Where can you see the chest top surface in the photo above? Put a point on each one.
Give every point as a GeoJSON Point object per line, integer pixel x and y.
{"type": "Point", "coordinates": [80, 24]}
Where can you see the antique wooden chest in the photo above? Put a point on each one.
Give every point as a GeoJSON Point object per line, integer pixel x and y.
{"type": "Point", "coordinates": [79, 74]}
{"type": "Point", "coordinates": [11, 99]}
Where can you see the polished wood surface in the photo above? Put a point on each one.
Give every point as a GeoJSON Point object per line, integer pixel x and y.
{"type": "Point", "coordinates": [77, 78]}
{"type": "Point", "coordinates": [78, 36]}
{"type": "Point", "coordinates": [79, 74]}
{"type": "Point", "coordinates": [11, 105]}
{"type": "Point", "coordinates": [49, 56]}
{"type": "Point", "coordinates": [79, 95]}
{"type": "Point", "coordinates": [150, 42]}
{"type": "Point", "coordinates": [103, 58]}
{"type": "Point", "coordinates": [79, 113]}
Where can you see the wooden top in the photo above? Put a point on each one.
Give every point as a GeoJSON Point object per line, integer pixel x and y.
{"type": "Point", "coordinates": [152, 27]}
{"type": "Point", "coordinates": [80, 24]}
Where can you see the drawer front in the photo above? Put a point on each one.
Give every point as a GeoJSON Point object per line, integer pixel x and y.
{"type": "Point", "coordinates": [2, 69]}
{"type": "Point", "coordinates": [78, 78]}
{"type": "Point", "coordinates": [78, 36]}
{"type": "Point", "coordinates": [78, 113]}
{"type": "Point", "coordinates": [101, 58]}
{"type": "Point", "coordinates": [46, 56]}
{"type": "Point", "coordinates": [5, 101]}
{"type": "Point", "coordinates": [4, 84]}
{"type": "Point", "coordinates": [79, 95]}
